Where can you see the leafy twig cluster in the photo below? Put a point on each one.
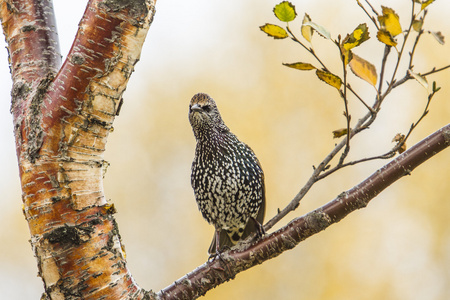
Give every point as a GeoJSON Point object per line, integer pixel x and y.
{"type": "Point", "coordinates": [392, 36]}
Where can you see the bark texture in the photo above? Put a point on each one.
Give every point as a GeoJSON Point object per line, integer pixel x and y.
{"type": "Point", "coordinates": [62, 116]}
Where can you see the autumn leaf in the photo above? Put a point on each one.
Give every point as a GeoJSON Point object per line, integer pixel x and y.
{"type": "Point", "coordinates": [438, 36]}
{"type": "Point", "coordinates": [339, 132]}
{"type": "Point", "coordinates": [307, 31]}
{"type": "Point", "coordinates": [422, 80]}
{"type": "Point", "coordinates": [417, 25]}
{"type": "Point", "coordinates": [319, 29]}
{"type": "Point", "coordinates": [386, 38]}
{"type": "Point", "coordinates": [425, 4]}
{"type": "Point", "coordinates": [399, 138]}
{"type": "Point", "coordinates": [274, 31]}
{"type": "Point", "coordinates": [285, 11]}
{"type": "Point", "coordinates": [363, 69]}
{"type": "Point", "coordinates": [357, 37]}
{"type": "Point", "coordinates": [300, 66]}
{"type": "Point", "coordinates": [347, 55]}
{"type": "Point", "coordinates": [329, 78]}
{"type": "Point", "coordinates": [389, 21]}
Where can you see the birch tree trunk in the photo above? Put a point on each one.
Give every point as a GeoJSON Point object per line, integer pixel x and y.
{"type": "Point", "coordinates": [62, 116]}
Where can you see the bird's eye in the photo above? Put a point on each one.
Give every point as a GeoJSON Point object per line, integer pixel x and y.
{"type": "Point", "coordinates": [206, 108]}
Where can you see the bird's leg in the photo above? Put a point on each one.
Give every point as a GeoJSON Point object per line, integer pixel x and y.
{"type": "Point", "coordinates": [260, 232]}
{"type": "Point", "coordinates": [217, 241]}
{"type": "Point", "coordinates": [212, 256]}
{"type": "Point", "coordinates": [218, 254]}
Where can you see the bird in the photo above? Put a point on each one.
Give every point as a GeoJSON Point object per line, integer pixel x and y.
{"type": "Point", "coordinates": [226, 176]}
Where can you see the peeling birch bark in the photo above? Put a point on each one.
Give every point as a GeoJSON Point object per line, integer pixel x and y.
{"type": "Point", "coordinates": [62, 117]}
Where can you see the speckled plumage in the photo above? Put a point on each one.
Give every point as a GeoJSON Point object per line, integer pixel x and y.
{"type": "Point", "coordinates": [227, 178]}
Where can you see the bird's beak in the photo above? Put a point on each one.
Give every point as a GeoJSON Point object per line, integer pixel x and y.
{"type": "Point", "coordinates": [196, 108]}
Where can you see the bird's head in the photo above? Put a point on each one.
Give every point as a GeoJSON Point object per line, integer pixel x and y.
{"type": "Point", "coordinates": [204, 115]}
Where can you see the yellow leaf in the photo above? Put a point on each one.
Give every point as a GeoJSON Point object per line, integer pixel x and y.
{"type": "Point", "coordinates": [307, 31]}
{"type": "Point", "coordinates": [300, 66]}
{"type": "Point", "coordinates": [363, 69]}
{"type": "Point", "coordinates": [274, 31]}
{"type": "Point", "coordinates": [425, 4]}
{"type": "Point", "coordinates": [339, 132]}
{"type": "Point", "coordinates": [348, 55]}
{"type": "Point", "coordinates": [285, 11]}
{"type": "Point", "coordinates": [386, 38]}
{"type": "Point", "coordinates": [329, 78]}
{"type": "Point", "coordinates": [358, 36]}
{"type": "Point", "coordinates": [422, 80]}
{"type": "Point", "coordinates": [389, 21]}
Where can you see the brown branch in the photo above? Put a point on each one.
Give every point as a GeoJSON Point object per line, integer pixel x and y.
{"type": "Point", "coordinates": [220, 270]}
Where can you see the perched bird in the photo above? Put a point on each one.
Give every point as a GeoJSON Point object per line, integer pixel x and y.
{"type": "Point", "coordinates": [227, 178]}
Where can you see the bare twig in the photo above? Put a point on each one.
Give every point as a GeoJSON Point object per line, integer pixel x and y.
{"type": "Point", "coordinates": [309, 49]}
{"type": "Point", "coordinates": [367, 13]}
{"type": "Point", "coordinates": [400, 53]}
{"type": "Point", "coordinates": [360, 99]}
{"type": "Point", "coordinates": [346, 112]}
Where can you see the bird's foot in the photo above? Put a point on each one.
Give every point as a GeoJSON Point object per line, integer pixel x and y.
{"type": "Point", "coordinates": [260, 232]}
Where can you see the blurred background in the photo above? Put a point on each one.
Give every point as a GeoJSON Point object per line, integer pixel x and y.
{"type": "Point", "coordinates": [396, 248]}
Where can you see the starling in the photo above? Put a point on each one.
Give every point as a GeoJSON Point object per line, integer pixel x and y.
{"type": "Point", "coordinates": [227, 178]}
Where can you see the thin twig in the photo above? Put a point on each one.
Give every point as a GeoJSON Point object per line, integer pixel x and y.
{"type": "Point", "coordinates": [367, 13]}
{"type": "Point", "coordinates": [360, 99]}
{"type": "Point", "coordinates": [408, 77]}
{"type": "Point", "coordinates": [387, 50]}
{"type": "Point", "coordinates": [399, 56]}
{"type": "Point", "coordinates": [416, 42]}
{"type": "Point", "coordinates": [309, 49]}
{"type": "Point", "coordinates": [344, 97]}
{"type": "Point", "coordinates": [388, 154]}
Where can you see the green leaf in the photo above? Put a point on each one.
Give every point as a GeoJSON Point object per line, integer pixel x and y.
{"type": "Point", "coordinates": [358, 36]}
{"type": "Point", "coordinates": [435, 88]}
{"type": "Point", "coordinates": [329, 78]}
{"type": "Point", "coordinates": [285, 11]}
{"type": "Point", "coordinates": [274, 31]}
{"type": "Point", "coordinates": [319, 29]}
{"type": "Point", "coordinates": [307, 31]}
{"type": "Point", "coordinates": [417, 25]}
{"type": "Point", "coordinates": [339, 132]}
{"type": "Point", "coordinates": [300, 66]}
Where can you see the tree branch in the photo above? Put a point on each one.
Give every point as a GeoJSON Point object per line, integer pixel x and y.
{"type": "Point", "coordinates": [247, 255]}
